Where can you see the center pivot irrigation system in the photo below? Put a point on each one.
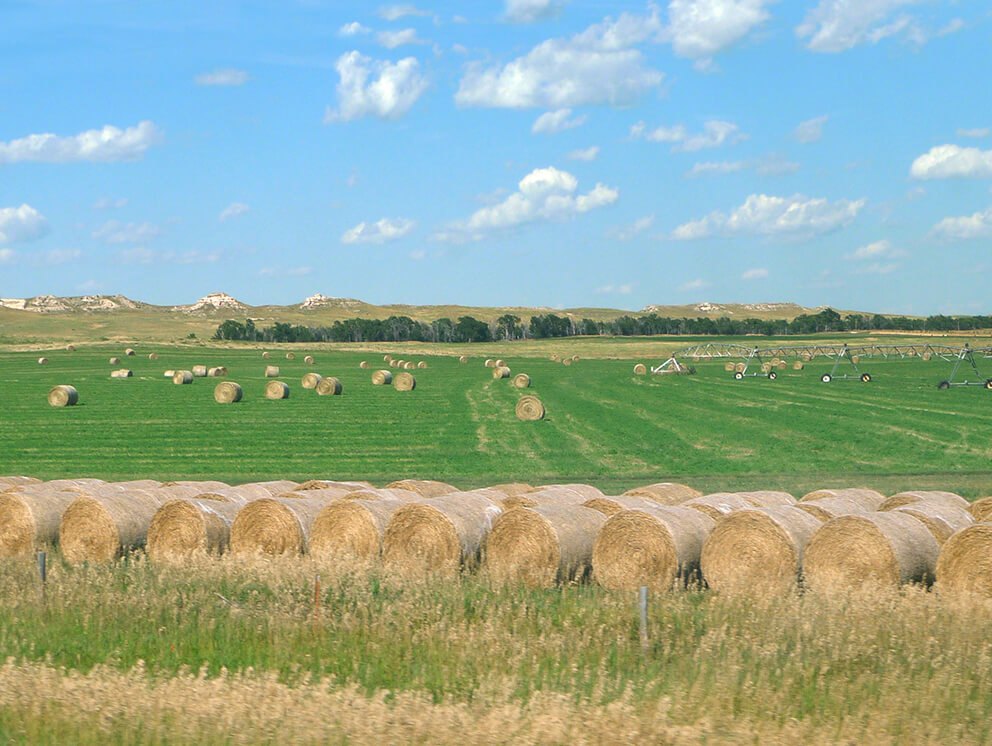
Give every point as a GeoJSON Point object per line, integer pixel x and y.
{"type": "Point", "coordinates": [966, 354]}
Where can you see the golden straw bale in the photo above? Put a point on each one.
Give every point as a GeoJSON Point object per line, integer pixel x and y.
{"type": "Point", "coordinates": [423, 487]}
{"type": "Point", "coordinates": [100, 528]}
{"type": "Point", "coordinates": [129, 352]}
{"type": "Point", "coordinates": [757, 550]}
{"type": "Point", "coordinates": [308, 360]}
{"type": "Point", "coordinates": [530, 409]}
{"type": "Point", "coordinates": [915, 496]}
{"type": "Point", "coordinates": [729, 367]}
{"type": "Point", "coordinates": [271, 371]}
{"type": "Point", "coordinates": [610, 505]}
{"type": "Point", "coordinates": [870, 500]}
{"type": "Point", "coordinates": [500, 363]}
{"type": "Point", "coordinates": [740, 367]}
{"type": "Point", "coordinates": [351, 528]}
{"type": "Point", "coordinates": [546, 496]}
{"type": "Point", "coordinates": [382, 378]}
{"type": "Point", "coordinates": [115, 361]}
{"type": "Point", "coordinates": [398, 364]}
{"type": "Point", "coordinates": [501, 372]}
{"type": "Point", "coordinates": [364, 365]}
{"type": "Point", "coordinates": [276, 390]}
{"type": "Point", "coordinates": [965, 562]}
{"type": "Point", "coordinates": [329, 386]}
{"type": "Point", "coordinates": [666, 493]}
{"type": "Point", "coordinates": [868, 550]}
{"type": "Point", "coordinates": [717, 504]}
{"type": "Point", "coordinates": [169, 373]}
{"type": "Point", "coordinates": [554, 357]}
{"type": "Point", "coordinates": [383, 493]}
{"type": "Point", "coordinates": [827, 508]}
{"type": "Point", "coordinates": [410, 365]}
{"type": "Point", "coordinates": [217, 371]}
{"type": "Point", "coordinates": [70, 348]}
{"type": "Point", "coordinates": [926, 356]}
{"type": "Point", "coordinates": [30, 520]}
{"type": "Point", "coordinates": [291, 356]}
{"type": "Point", "coordinates": [490, 363]}
{"type": "Point", "coordinates": [310, 380]}
{"type": "Point", "coordinates": [266, 355]}
{"type": "Point", "coordinates": [275, 487]}
{"type": "Point", "coordinates": [767, 498]}
{"type": "Point", "coordinates": [70, 485]}
{"type": "Point", "coordinates": [276, 525]}
{"type": "Point", "coordinates": [439, 536]}
{"type": "Point", "coordinates": [189, 528]}
{"type": "Point", "coordinates": [463, 359]}
{"type": "Point", "coordinates": [404, 382]}
{"type": "Point", "coordinates": [942, 520]}
{"type": "Point", "coordinates": [43, 361]}
{"type": "Point", "coordinates": [17, 481]}
{"type": "Point", "coordinates": [122, 373]}
{"type": "Point", "coordinates": [521, 381]}
{"type": "Point", "coordinates": [654, 547]}
{"type": "Point", "coordinates": [544, 545]}
{"type": "Point", "coordinates": [586, 490]}
{"type": "Point", "coordinates": [766, 367]}
{"type": "Point", "coordinates": [227, 392]}
{"type": "Point", "coordinates": [981, 509]}
{"type": "Point", "coordinates": [798, 365]}
{"type": "Point", "coordinates": [63, 395]}
{"type": "Point", "coordinates": [567, 361]}
{"type": "Point", "coordinates": [196, 484]}
{"type": "Point", "coordinates": [509, 489]}
{"type": "Point", "coordinates": [153, 356]}
{"type": "Point", "coordinates": [200, 371]}
{"type": "Point", "coordinates": [180, 377]}
{"type": "Point", "coordinates": [387, 358]}
{"type": "Point", "coordinates": [421, 365]}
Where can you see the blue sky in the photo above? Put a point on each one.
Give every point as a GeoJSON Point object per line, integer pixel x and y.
{"type": "Point", "coordinates": [517, 152]}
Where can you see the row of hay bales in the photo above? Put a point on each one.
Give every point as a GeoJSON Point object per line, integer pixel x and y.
{"type": "Point", "coordinates": [402, 364]}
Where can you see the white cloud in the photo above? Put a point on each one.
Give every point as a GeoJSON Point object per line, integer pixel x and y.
{"type": "Point", "coordinates": [395, 12]}
{"type": "Point", "coordinates": [699, 29]}
{"type": "Point", "coordinates": [353, 29]}
{"type": "Point", "coordinates": [768, 165]}
{"type": "Point", "coordinates": [110, 204]}
{"type": "Point", "coordinates": [396, 87]}
{"type": "Point", "coordinates": [529, 11]}
{"type": "Point", "coordinates": [838, 25]}
{"type": "Point", "coordinates": [977, 225]}
{"type": "Point", "coordinates": [379, 232]}
{"type": "Point", "coordinates": [543, 194]}
{"type": "Point", "coordinates": [811, 130]}
{"type": "Point", "coordinates": [227, 76]}
{"type": "Point", "coordinates": [625, 289]}
{"type": "Point", "coordinates": [234, 210]}
{"type": "Point", "coordinates": [764, 215]}
{"type": "Point", "coordinates": [418, 255]}
{"type": "Point", "coordinates": [627, 232]}
{"type": "Point", "coordinates": [947, 161]}
{"type": "Point", "coordinates": [697, 284]}
{"type": "Point", "coordinates": [138, 255]}
{"type": "Point", "coordinates": [977, 132]}
{"type": "Point", "coordinates": [552, 122]}
{"type": "Point", "coordinates": [7, 256]}
{"type": "Point", "coordinates": [103, 145]}
{"type": "Point", "coordinates": [715, 133]}
{"type": "Point", "coordinates": [61, 256]}
{"type": "Point", "coordinates": [393, 39]}
{"type": "Point", "coordinates": [596, 66]}
{"type": "Point", "coordinates": [114, 231]}
{"type": "Point", "coordinates": [584, 154]}
{"type": "Point", "coordinates": [759, 273]}
{"type": "Point", "coordinates": [878, 268]}
{"type": "Point", "coordinates": [22, 223]}
{"type": "Point", "coordinates": [878, 250]}
{"type": "Point", "coordinates": [953, 26]}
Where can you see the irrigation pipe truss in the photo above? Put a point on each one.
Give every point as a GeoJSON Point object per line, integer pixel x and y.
{"type": "Point", "coordinates": [713, 350]}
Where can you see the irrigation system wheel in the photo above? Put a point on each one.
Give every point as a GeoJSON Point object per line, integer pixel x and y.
{"type": "Point", "coordinates": [825, 378]}
{"type": "Point", "coordinates": [738, 376]}
{"type": "Point", "coordinates": [988, 384]}
{"type": "Point", "coordinates": [865, 377]}
{"type": "Point", "coordinates": [772, 375]}
{"type": "Point", "coordinates": [944, 385]}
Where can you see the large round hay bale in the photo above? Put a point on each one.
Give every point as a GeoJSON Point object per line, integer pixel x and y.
{"type": "Point", "coordinates": [521, 381]}
{"type": "Point", "coordinates": [965, 562]}
{"type": "Point", "coordinates": [6, 482]}
{"type": "Point", "coordinates": [981, 509]}
{"type": "Point", "coordinates": [129, 352]}
{"type": "Point", "coordinates": [586, 490]}
{"type": "Point", "coordinates": [180, 377]}
{"type": "Point", "coordinates": [798, 365]}
{"type": "Point", "coordinates": [757, 550]}
{"type": "Point", "coordinates": [364, 365]}
{"type": "Point", "coordinates": [423, 487]}
{"type": "Point", "coordinates": [781, 365]}
{"type": "Point", "coordinates": [122, 373]}
{"type": "Point", "coordinates": [501, 372]}
{"type": "Point", "coordinates": [546, 496]}
{"type": "Point", "coordinates": [190, 528]}
{"type": "Point", "coordinates": [567, 361]}
{"type": "Point", "coordinates": [828, 508]}
{"type": "Point", "coordinates": [63, 395]}
{"type": "Point", "coordinates": [509, 489]}
{"type": "Point", "coordinates": [397, 364]}
{"type": "Point", "coordinates": [70, 348]}
{"type": "Point", "coordinates": [271, 371]}
{"type": "Point", "coordinates": [329, 386]}
{"type": "Point", "coordinates": [463, 359]}
{"type": "Point", "coordinates": [740, 367]}
{"type": "Point", "coordinates": [69, 485]}
{"type": "Point", "coordinates": [200, 371]}
{"type": "Point", "coordinates": [43, 361]}
{"type": "Point", "coordinates": [276, 390]}
{"type": "Point", "coordinates": [100, 528]}
{"type": "Point", "coordinates": [718, 504]}
{"type": "Point", "coordinates": [351, 528]}
{"type": "Point", "coordinates": [869, 500]}
{"type": "Point", "coordinates": [30, 520]}
{"type": "Point", "coordinates": [169, 373]}
{"type": "Point", "coordinates": [640, 369]}
{"type": "Point", "coordinates": [439, 536]}
{"type": "Point", "coordinates": [654, 547]}
{"type": "Point", "coordinates": [153, 356]}
{"type": "Point", "coordinates": [251, 490]}
{"type": "Point", "coordinates": [276, 525]}
{"type": "Point", "coordinates": [500, 363]}
{"type": "Point", "coordinates": [266, 355]}
{"type": "Point", "coordinates": [383, 493]}
{"type": "Point", "coordinates": [382, 378]}
{"type": "Point", "coordinates": [490, 363]}
{"type": "Point", "coordinates": [767, 498]}
{"type": "Point", "coordinates": [554, 357]}
{"type": "Point", "coordinates": [540, 546]}
{"type": "Point", "coordinates": [529, 409]}
{"type": "Point", "coordinates": [914, 496]}
{"type": "Point", "coordinates": [666, 493]}
{"type": "Point", "coordinates": [387, 358]}
{"type": "Point", "coordinates": [227, 392]}
{"type": "Point", "coordinates": [217, 372]}
{"type": "Point", "coordinates": [404, 382]}
{"type": "Point", "coordinates": [409, 365]}
{"type": "Point", "coordinates": [115, 361]}
{"type": "Point", "coordinates": [729, 367]}
{"type": "Point", "coordinates": [869, 550]}
{"type": "Point", "coordinates": [941, 520]}
{"type": "Point", "coordinates": [611, 505]}
{"type": "Point", "coordinates": [926, 356]}
{"type": "Point", "coordinates": [308, 360]}
{"type": "Point", "coordinates": [291, 356]}
{"type": "Point", "coordinates": [422, 365]}
{"type": "Point", "coordinates": [310, 380]}
{"type": "Point", "coordinates": [323, 484]}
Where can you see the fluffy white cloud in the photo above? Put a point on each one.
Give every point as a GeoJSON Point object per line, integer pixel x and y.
{"type": "Point", "coordinates": [234, 210]}
{"type": "Point", "coordinates": [764, 215]}
{"type": "Point", "coordinates": [395, 87]}
{"type": "Point", "coordinates": [353, 29]}
{"type": "Point", "coordinates": [715, 133]}
{"type": "Point", "coordinates": [811, 130]}
{"type": "Point", "coordinates": [114, 231]}
{"type": "Point", "coordinates": [61, 256]}
{"type": "Point", "coordinates": [838, 25]}
{"type": "Point", "coordinates": [627, 232]}
{"type": "Point", "coordinates": [22, 223]}
{"type": "Point", "coordinates": [379, 232]}
{"type": "Point", "coordinates": [395, 12]}
{"type": "Point", "coordinates": [529, 11]}
{"type": "Point", "coordinates": [977, 132]}
{"type": "Point", "coordinates": [878, 250]}
{"type": "Point", "coordinates": [551, 122]}
{"type": "Point", "coordinates": [103, 145]}
{"type": "Point", "coordinates": [759, 273]}
{"type": "Point", "coordinates": [769, 165]}
{"type": "Point", "coordinates": [697, 284]}
{"type": "Point", "coordinates": [584, 154]}
{"type": "Point", "coordinates": [598, 66]}
{"type": "Point", "coordinates": [698, 29]}
{"type": "Point", "coordinates": [7, 256]}
{"type": "Point", "coordinates": [110, 204]}
{"type": "Point", "coordinates": [543, 194]}
{"type": "Point", "coordinates": [393, 39]}
{"type": "Point", "coordinates": [977, 225]}
{"type": "Point", "coordinates": [227, 76]}
{"type": "Point", "coordinates": [947, 161]}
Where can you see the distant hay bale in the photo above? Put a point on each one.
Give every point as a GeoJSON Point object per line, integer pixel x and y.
{"type": "Point", "coordinates": [941, 520]}
{"type": "Point", "coordinates": [271, 371]}
{"type": "Point", "coordinates": [169, 373]}
{"type": "Point", "coordinates": [387, 358]}
{"type": "Point", "coordinates": [115, 361]}
{"type": "Point", "coordinates": [382, 378]}
{"type": "Point", "coordinates": [521, 381]}
{"type": "Point", "coordinates": [867, 550]}
{"type": "Point", "coordinates": [501, 372]}
{"type": "Point", "coordinates": [63, 395]}
{"type": "Point", "coordinates": [227, 392]}
{"type": "Point", "coordinates": [828, 508]}
{"type": "Point", "coordinates": [100, 528]}
{"type": "Point", "coordinates": [529, 409]}
{"type": "Point", "coordinates": [611, 505]}
{"type": "Point", "coordinates": [291, 356]}
{"type": "Point", "coordinates": [729, 367]}
{"type": "Point", "coordinates": [718, 504]}
{"type": "Point", "coordinates": [351, 528]}
{"type": "Point", "coordinates": [806, 357]}
{"type": "Point", "coordinates": [329, 386]}
{"type": "Point", "coordinates": [798, 365]}
{"type": "Point", "coordinates": [70, 348]}
{"type": "Point", "coordinates": [544, 545]}
{"type": "Point", "coordinates": [766, 367]}
{"type": "Point", "coordinates": [440, 536]}
{"type": "Point", "coordinates": [665, 493]}
{"type": "Point", "coordinates": [775, 361]}
{"type": "Point", "coordinates": [490, 363]}
{"type": "Point", "coordinates": [422, 365]}
{"type": "Point", "coordinates": [308, 360]}
{"type": "Point", "coordinates": [640, 369]}
{"type": "Point", "coordinates": [404, 382]}
{"type": "Point", "coordinates": [129, 352]}
{"type": "Point", "coordinates": [409, 365]}
{"type": "Point", "coordinates": [274, 487]}
{"type": "Point", "coordinates": [575, 358]}
{"type": "Point", "coordinates": [757, 550]}
{"type": "Point", "coordinates": [217, 372]}
{"type": "Point", "coordinates": [43, 361]}
{"type": "Point", "coordinates": [767, 498]}
{"type": "Point", "coordinates": [463, 359]}
{"type": "Point", "coordinates": [310, 380]}
{"type": "Point", "coordinates": [122, 373]}
{"type": "Point", "coordinates": [500, 363]}
{"type": "Point", "coordinates": [364, 365]}
{"type": "Point", "coordinates": [554, 357]}
{"type": "Point", "coordinates": [276, 390]}
{"type": "Point", "coordinates": [965, 562]}
{"type": "Point", "coordinates": [190, 528]}
{"type": "Point", "coordinates": [153, 356]}
{"type": "Point", "coordinates": [857, 358]}
{"type": "Point", "coordinates": [199, 371]}
{"type": "Point", "coordinates": [781, 365]}
{"type": "Point", "coordinates": [926, 356]}
{"type": "Point", "coordinates": [182, 377]}
{"type": "Point", "coordinates": [740, 367]}
{"type": "Point", "coordinates": [654, 547]}
{"type": "Point", "coordinates": [981, 509]}
{"type": "Point", "coordinates": [266, 355]}
{"type": "Point", "coordinates": [914, 496]}
{"type": "Point", "coordinates": [869, 500]}
{"type": "Point", "coordinates": [567, 361]}
{"type": "Point", "coordinates": [393, 363]}
{"type": "Point", "coordinates": [276, 525]}
{"type": "Point", "coordinates": [424, 487]}
{"type": "Point", "coordinates": [30, 520]}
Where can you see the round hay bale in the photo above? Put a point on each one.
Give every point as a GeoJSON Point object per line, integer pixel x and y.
{"type": "Point", "coordinates": [544, 545]}
{"type": "Point", "coordinates": [30, 520]}
{"type": "Point", "coordinates": [404, 382]}
{"type": "Point", "coordinates": [490, 363]}
{"type": "Point", "coordinates": [382, 378]}
{"type": "Point", "coordinates": [501, 372]}
{"type": "Point", "coordinates": [399, 364]}
{"type": "Point", "coordinates": [798, 365]}
{"type": "Point", "coordinates": [227, 392]}
{"type": "Point", "coordinates": [914, 496]}
{"type": "Point", "coordinates": [575, 358]}
{"type": "Point", "coordinates": [867, 550]}
{"type": "Point", "coordinates": [941, 520]}
{"type": "Point", "coordinates": [78, 485]}
{"type": "Point", "coordinates": [310, 380]}
{"type": "Point", "coordinates": [323, 484]}
{"type": "Point", "coordinates": [153, 356]}
{"type": "Point", "coordinates": [100, 528]}
{"type": "Point", "coordinates": [718, 504]}
{"type": "Point", "coordinates": [654, 547]}
{"type": "Point", "coordinates": [43, 361]}
{"type": "Point", "coordinates": [14, 481]}
{"type": "Point", "coordinates": [218, 372]}
{"type": "Point", "coordinates": [586, 490]}
{"type": "Point", "coordinates": [767, 498]}
{"type": "Point", "coordinates": [63, 395]}
{"type": "Point", "coordinates": [129, 352]}
{"type": "Point", "coordinates": [115, 361]}
{"type": "Point", "coordinates": [70, 348]}
{"type": "Point", "coordinates": [828, 508]}
{"type": "Point", "coordinates": [169, 373]}
{"type": "Point", "coordinates": [421, 365]}
{"type": "Point", "coordinates": [806, 357]}
{"type": "Point", "coordinates": [509, 489]}
{"type": "Point", "coordinates": [122, 373]}
{"type": "Point", "coordinates": [781, 365]}
{"type": "Point", "coordinates": [463, 359]}
{"type": "Point", "coordinates": [981, 509]}
{"type": "Point", "coordinates": [641, 369]}
{"type": "Point", "coordinates": [200, 371]}
{"type": "Point", "coordinates": [271, 371]}
{"type": "Point", "coordinates": [291, 356]}
{"type": "Point", "coordinates": [729, 367]}
{"type": "Point", "coordinates": [546, 496]}
{"type": "Point", "coordinates": [521, 381]}
{"type": "Point", "coordinates": [554, 357]}
{"type": "Point", "coordinates": [855, 359]}
{"type": "Point", "coordinates": [191, 528]}
{"type": "Point", "coordinates": [308, 360]}
{"type": "Point", "coordinates": [766, 367]}
{"type": "Point", "coordinates": [665, 493]}
{"type": "Point", "coordinates": [529, 409]}
{"type": "Point", "coordinates": [409, 365]}
{"type": "Point", "coordinates": [869, 500]}
{"type": "Point", "coordinates": [440, 536]}
{"type": "Point", "coordinates": [611, 505]}
{"type": "Point", "coordinates": [424, 487]}
{"type": "Point", "coordinates": [965, 562]}
{"type": "Point", "coordinates": [266, 355]}
{"type": "Point", "coordinates": [276, 525]}
{"type": "Point", "coordinates": [255, 490]}
{"type": "Point", "coordinates": [567, 361]}
{"type": "Point", "coordinates": [757, 550]}
{"type": "Point", "coordinates": [387, 358]}
{"type": "Point", "coordinates": [740, 367]}
{"type": "Point", "coordinates": [364, 365]}
{"type": "Point", "coordinates": [351, 528]}
{"type": "Point", "coordinates": [180, 377]}
{"type": "Point", "coordinates": [383, 493]}
{"type": "Point", "coordinates": [329, 386]}
{"type": "Point", "coordinates": [500, 363]}
{"type": "Point", "coordinates": [926, 356]}
{"type": "Point", "coordinates": [276, 390]}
